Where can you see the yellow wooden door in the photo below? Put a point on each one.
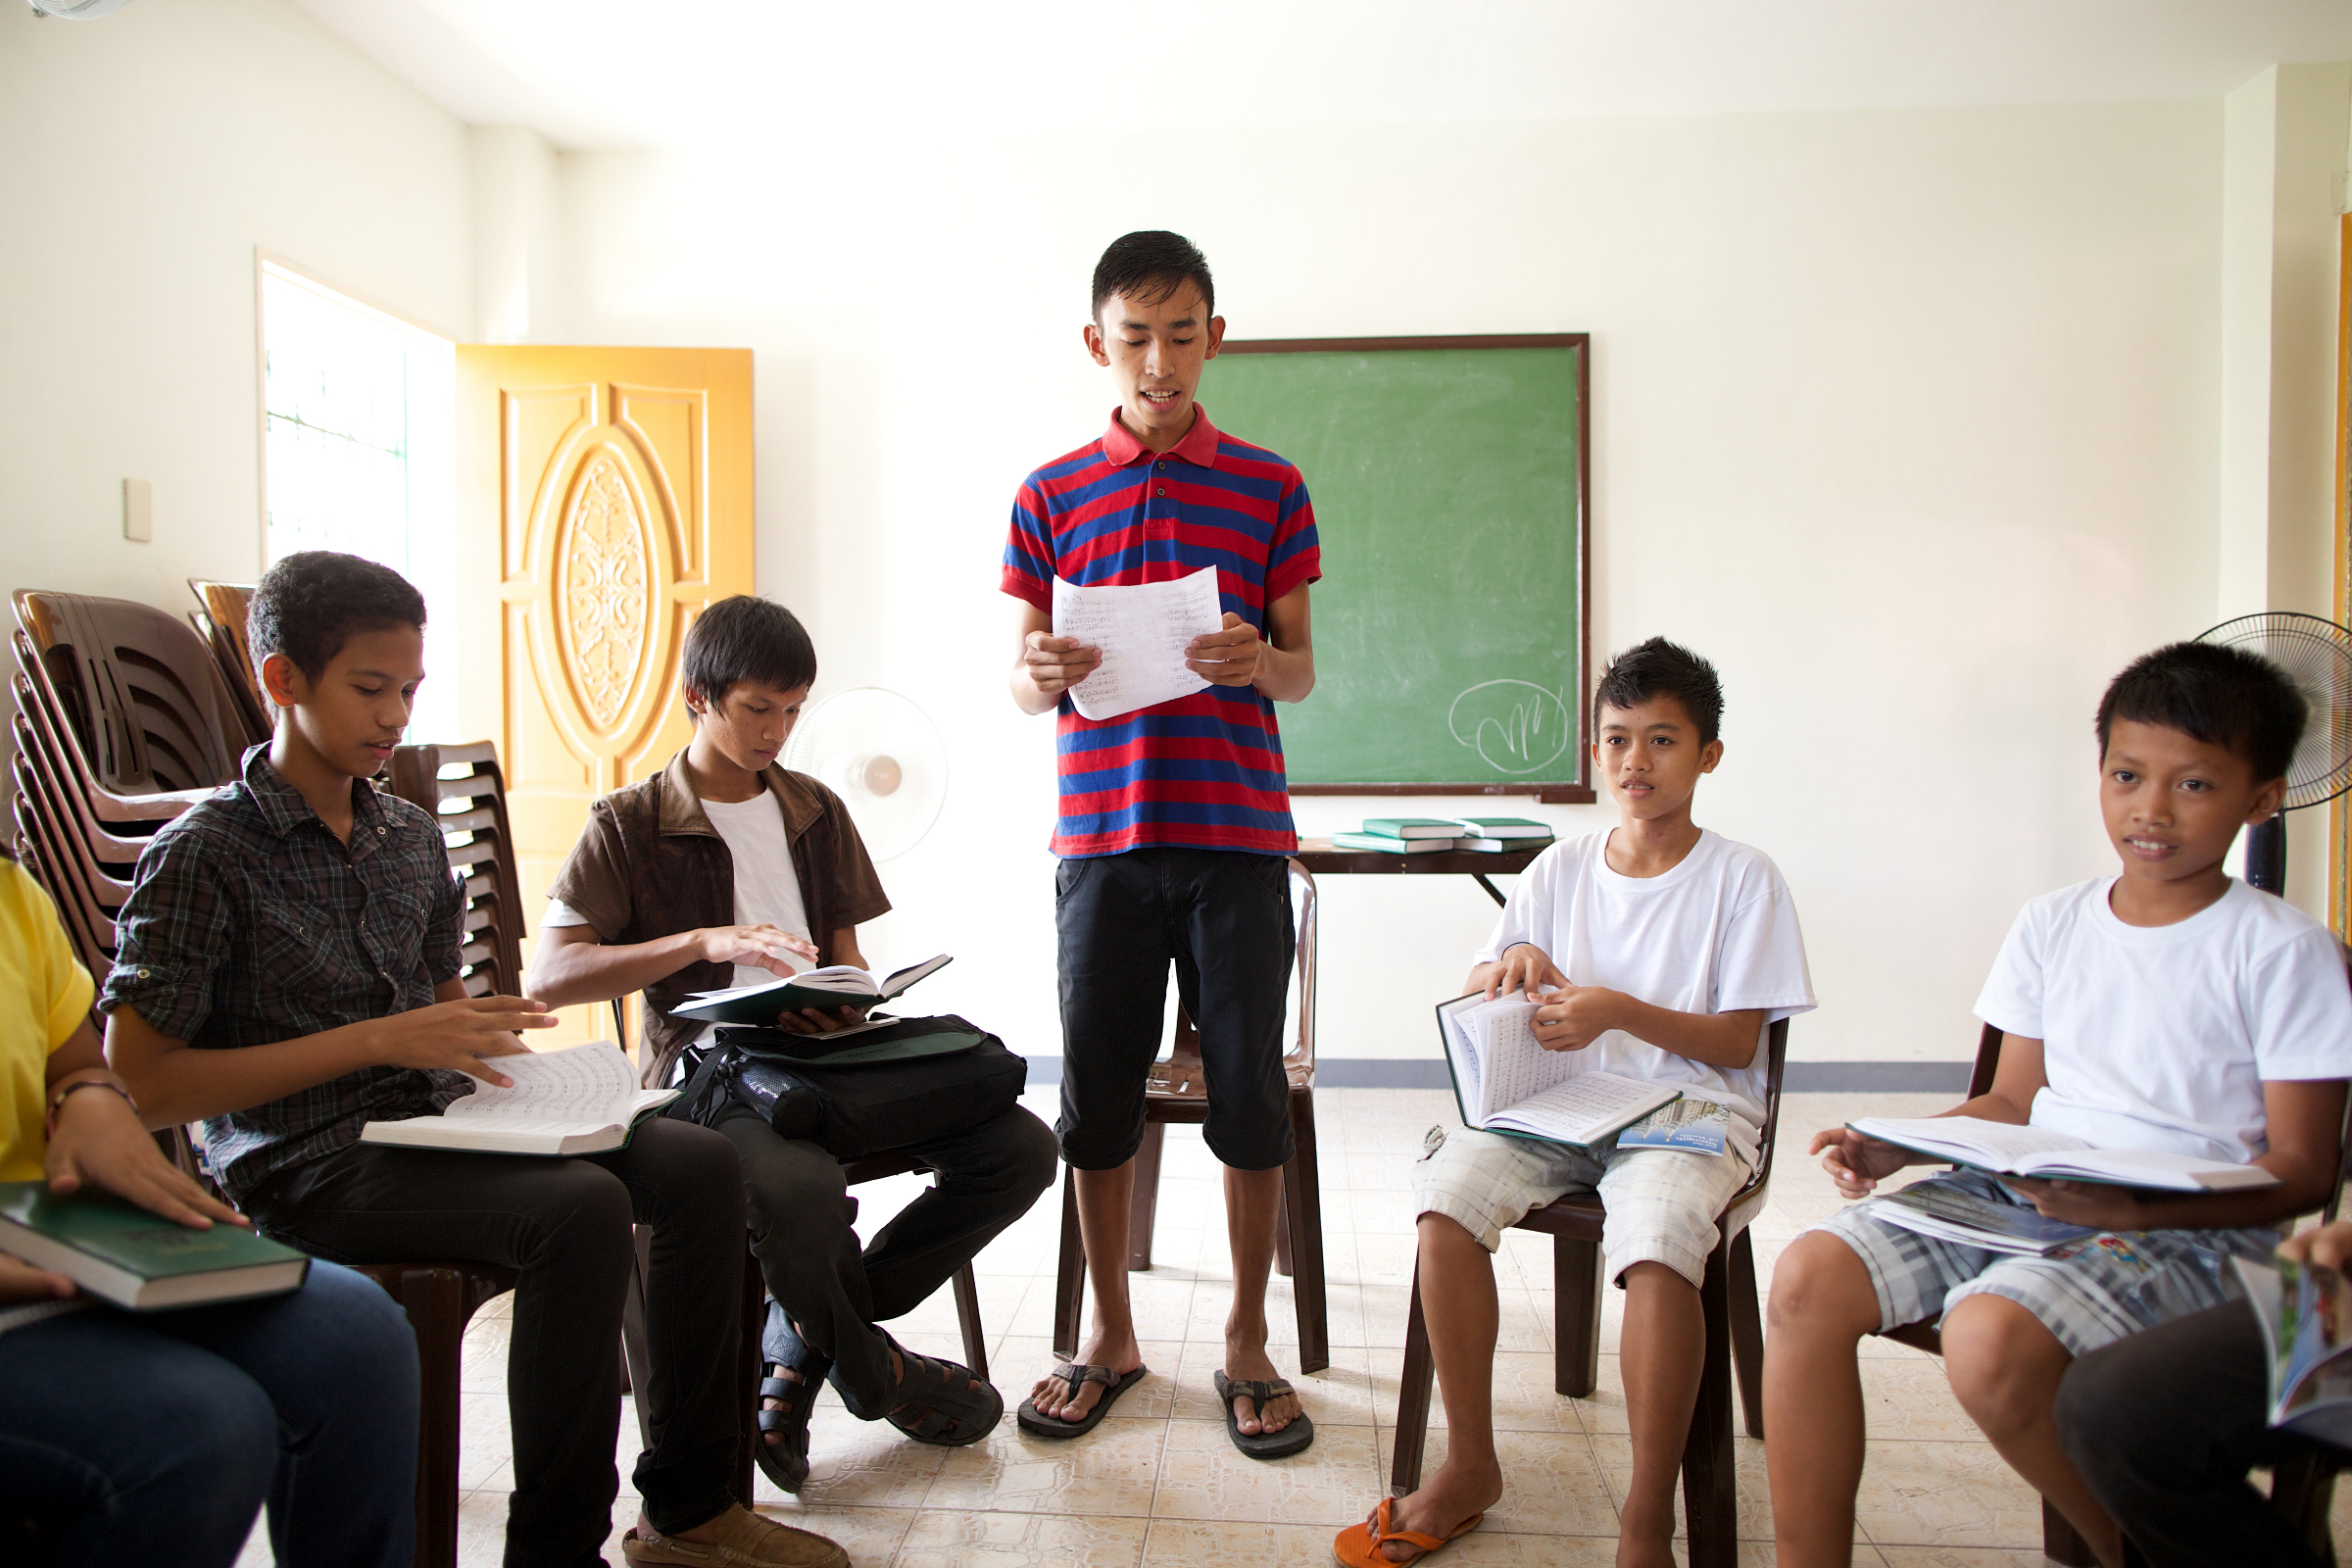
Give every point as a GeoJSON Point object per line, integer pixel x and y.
{"type": "Point", "coordinates": [603, 498]}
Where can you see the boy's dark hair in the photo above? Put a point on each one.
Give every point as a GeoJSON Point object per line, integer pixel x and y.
{"type": "Point", "coordinates": [746, 638]}
{"type": "Point", "coordinates": [1661, 668]}
{"type": "Point", "coordinates": [1151, 263]}
{"type": "Point", "coordinates": [2227, 696]}
{"type": "Point", "coordinates": [311, 603]}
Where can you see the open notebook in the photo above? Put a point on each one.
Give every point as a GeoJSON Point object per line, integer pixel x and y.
{"type": "Point", "coordinates": [1505, 1082]}
{"type": "Point", "coordinates": [579, 1100]}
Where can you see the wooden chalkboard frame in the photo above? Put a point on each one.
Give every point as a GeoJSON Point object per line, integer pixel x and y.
{"type": "Point", "coordinates": [1581, 791]}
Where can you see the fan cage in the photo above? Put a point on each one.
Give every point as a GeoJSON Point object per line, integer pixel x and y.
{"type": "Point", "coordinates": [2315, 653]}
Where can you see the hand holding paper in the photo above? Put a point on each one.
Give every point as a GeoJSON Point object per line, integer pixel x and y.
{"type": "Point", "coordinates": [1144, 631]}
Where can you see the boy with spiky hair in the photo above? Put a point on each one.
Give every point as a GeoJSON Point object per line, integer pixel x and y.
{"type": "Point", "coordinates": [288, 972]}
{"type": "Point", "coordinates": [2171, 1007]}
{"type": "Point", "coordinates": [717, 871]}
{"type": "Point", "coordinates": [1664, 952]}
{"type": "Point", "coordinates": [1175, 819]}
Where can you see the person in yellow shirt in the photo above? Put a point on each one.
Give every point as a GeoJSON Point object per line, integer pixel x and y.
{"type": "Point", "coordinates": [155, 1437]}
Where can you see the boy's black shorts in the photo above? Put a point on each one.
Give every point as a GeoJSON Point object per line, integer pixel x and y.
{"type": "Point", "coordinates": [1223, 917]}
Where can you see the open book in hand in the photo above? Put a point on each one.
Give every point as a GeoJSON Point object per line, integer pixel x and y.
{"type": "Point", "coordinates": [839, 986]}
{"type": "Point", "coordinates": [2306, 1317]}
{"type": "Point", "coordinates": [579, 1100]}
{"type": "Point", "coordinates": [2005, 1148]}
{"type": "Point", "coordinates": [1505, 1082]}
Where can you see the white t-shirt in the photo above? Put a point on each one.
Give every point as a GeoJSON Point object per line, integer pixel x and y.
{"type": "Point", "coordinates": [2160, 1037]}
{"type": "Point", "coordinates": [1716, 934]}
{"type": "Point", "coordinates": [767, 890]}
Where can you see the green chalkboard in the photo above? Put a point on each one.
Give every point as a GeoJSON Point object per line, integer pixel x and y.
{"type": "Point", "coordinates": [1449, 480]}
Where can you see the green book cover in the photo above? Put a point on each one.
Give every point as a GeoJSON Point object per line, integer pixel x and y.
{"type": "Point", "coordinates": [1412, 827]}
{"type": "Point", "coordinates": [1505, 827]}
{"type": "Point", "coordinates": [111, 1249]}
{"type": "Point", "coordinates": [1387, 845]}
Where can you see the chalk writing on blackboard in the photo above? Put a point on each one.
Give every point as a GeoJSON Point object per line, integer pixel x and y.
{"type": "Point", "coordinates": [1515, 726]}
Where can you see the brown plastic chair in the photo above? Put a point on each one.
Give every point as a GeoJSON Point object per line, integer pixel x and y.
{"type": "Point", "coordinates": [105, 844]}
{"type": "Point", "coordinates": [1734, 1339]}
{"type": "Point", "coordinates": [471, 810]}
{"type": "Point", "coordinates": [1175, 1093]}
{"type": "Point", "coordinates": [2302, 1488]}
{"type": "Point", "coordinates": [222, 623]}
{"type": "Point", "coordinates": [38, 697]}
{"type": "Point", "coordinates": [140, 688]}
{"type": "Point", "coordinates": [98, 896]}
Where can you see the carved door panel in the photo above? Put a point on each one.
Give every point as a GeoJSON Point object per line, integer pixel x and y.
{"type": "Point", "coordinates": [605, 496]}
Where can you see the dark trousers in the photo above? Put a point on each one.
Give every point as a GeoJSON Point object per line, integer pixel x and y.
{"type": "Point", "coordinates": [800, 1214]}
{"type": "Point", "coordinates": [2164, 1425]}
{"type": "Point", "coordinates": [565, 1224]}
{"type": "Point", "coordinates": [154, 1437]}
{"type": "Point", "coordinates": [1223, 918]}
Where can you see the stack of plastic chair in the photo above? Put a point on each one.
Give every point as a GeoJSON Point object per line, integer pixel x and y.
{"type": "Point", "coordinates": [222, 624]}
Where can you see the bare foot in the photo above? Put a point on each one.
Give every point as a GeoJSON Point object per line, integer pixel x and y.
{"type": "Point", "coordinates": [1447, 1501]}
{"type": "Point", "coordinates": [1052, 1397]}
{"type": "Point", "coordinates": [1249, 1363]}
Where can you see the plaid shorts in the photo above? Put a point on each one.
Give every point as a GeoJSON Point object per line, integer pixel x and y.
{"type": "Point", "coordinates": [2090, 1294]}
{"type": "Point", "coordinates": [1662, 1202]}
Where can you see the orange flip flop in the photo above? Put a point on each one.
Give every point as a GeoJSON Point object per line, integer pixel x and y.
{"type": "Point", "coordinates": [1358, 1545]}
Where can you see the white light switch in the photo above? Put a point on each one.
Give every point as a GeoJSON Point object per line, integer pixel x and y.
{"type": "Point", "coordinates": [138, 510]}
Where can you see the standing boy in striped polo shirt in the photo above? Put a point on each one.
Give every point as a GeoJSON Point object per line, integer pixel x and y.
{"type": "Point", "coordinates": [1175, 821]}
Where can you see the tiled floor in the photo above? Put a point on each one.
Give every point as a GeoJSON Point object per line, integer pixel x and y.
{"type": "Point", "coordinates": [1157, 1484]}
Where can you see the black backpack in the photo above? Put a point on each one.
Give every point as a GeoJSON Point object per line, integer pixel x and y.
{"type": "Point", "coordinates": [910, 1081]}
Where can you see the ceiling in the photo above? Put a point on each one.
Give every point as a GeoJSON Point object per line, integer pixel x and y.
{"type": "Point", "coordinates": [618, 73]}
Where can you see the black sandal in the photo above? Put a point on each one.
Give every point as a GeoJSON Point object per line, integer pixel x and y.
{"type": "Point", "coordinates": [938, 1403]}
{"type": "Point", "coordinates": [785, 1461]}
{"type": "Point", "coordinates": [1078, 1375]}
{"type": "Point", "coordinates": [1264, 1444]}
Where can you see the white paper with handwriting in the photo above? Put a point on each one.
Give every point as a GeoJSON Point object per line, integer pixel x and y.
{"type": "Point", "coordinates": [1143, 630]}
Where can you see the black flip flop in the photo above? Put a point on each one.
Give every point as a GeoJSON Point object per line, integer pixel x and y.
{"type": "Point", "coordinates": [938, 1404]}
{"type": "Point", "coordinates": [1077, 1375]}
{"type": "Point", "coordinates": [1263, 1444]}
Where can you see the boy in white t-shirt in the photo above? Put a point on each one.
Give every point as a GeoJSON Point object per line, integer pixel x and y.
{"type": "Point", "coordinates": [726, 869]}
{"type": "Point", "coordinates": [2171, 1007]}
{"type": "Point", "coordinates": [1665, 951]}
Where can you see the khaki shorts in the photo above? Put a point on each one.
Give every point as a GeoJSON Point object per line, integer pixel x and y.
{"type": "Point", "coordinates": [1662, 1202]}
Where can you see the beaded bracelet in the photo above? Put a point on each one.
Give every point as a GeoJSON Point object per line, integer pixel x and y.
{"type": "Point", "coordinates": [56, 1100]}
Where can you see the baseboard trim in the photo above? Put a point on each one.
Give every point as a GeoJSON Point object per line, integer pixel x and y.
{"type": "Point", "coordinates": [1804, 1077]}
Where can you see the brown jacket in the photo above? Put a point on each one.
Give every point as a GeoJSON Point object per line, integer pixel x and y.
{"type": "Point", "coordinates": [648, 865]}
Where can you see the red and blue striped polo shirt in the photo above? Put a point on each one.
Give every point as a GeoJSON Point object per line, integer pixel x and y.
{"type": "Point", "coordinates": [1204, 771]}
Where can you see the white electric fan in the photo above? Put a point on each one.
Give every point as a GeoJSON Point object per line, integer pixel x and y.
{"type": "Point", "coordinates": [2316, 656]}
{"type": "Point", "coordinates": [76, 10]}
{"type": "Point", "coordinates": [883, 757]}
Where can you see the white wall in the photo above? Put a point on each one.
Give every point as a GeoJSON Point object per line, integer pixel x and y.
{"type": "Point", "coordinates": [150, 154]}
{"type": "Point", "coordinates": [1911, 421]}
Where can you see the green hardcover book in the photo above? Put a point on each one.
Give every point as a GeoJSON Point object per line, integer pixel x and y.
{"type": "Point", "coordinates": [1413, 828]}
{"type": "Point", "coordinates": [1387, 845]}
{"type": "Point", "coordinates": [1503, 827]}
{"type": "Point", "coordinates": [123, 1254]}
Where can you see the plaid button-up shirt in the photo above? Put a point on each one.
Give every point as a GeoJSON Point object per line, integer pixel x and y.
{"type": "Point", "coordinates": [249, 922]}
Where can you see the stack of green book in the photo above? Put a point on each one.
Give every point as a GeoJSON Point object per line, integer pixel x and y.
{"type": "Point", "coordinates": [1492, 835]}
{"type": "Point", "coordinates": [1419, 835]}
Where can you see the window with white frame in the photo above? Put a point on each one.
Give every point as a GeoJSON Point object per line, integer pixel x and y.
{"type": "Point", "coordinates": [358, 449]}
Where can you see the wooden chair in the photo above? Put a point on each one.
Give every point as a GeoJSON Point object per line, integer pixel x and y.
{"type": "Point", "coordinates": [222, 624]}
{"type": "Point", "coordinates": [2303, 1488]}
{"type": "Point", "coordinates": [1734, 1339]}
{"type": "Point", "coordinates": [1176, 1093]}
{"type": "Point", "coordinates": [148, 699]}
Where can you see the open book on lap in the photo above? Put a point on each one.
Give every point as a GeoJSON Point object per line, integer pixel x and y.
{"type": "Point", "coordinates": [1505, 1082]}
{"type": "Point", "coordinates": [581, 1100]}
{"type": "Point", "coordinates": [2005, 1148]}
{"type": "Point", "coordinates": [2306, 1317]}
{"type": "Point", "coordinates": [839, 986]}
